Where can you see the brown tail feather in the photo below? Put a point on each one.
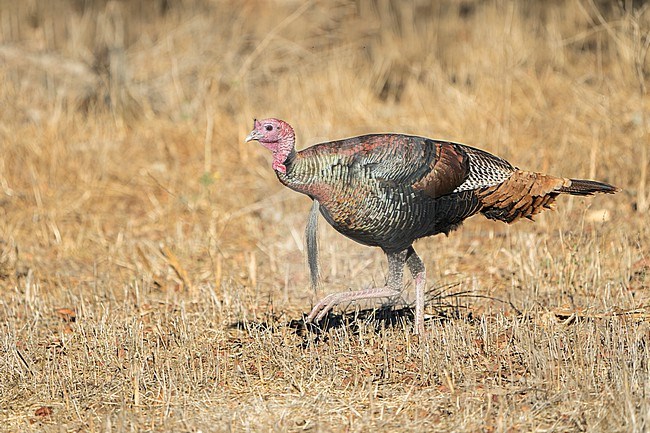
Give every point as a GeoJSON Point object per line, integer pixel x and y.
{"type": "Point", "coordinates": [525, 194]}
{"type": "Point", "coordinates": [587, 187]}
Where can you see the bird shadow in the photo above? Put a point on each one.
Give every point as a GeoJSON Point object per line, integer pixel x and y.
{"type": "Point", "coordinates": [374, 319]}
{"type": "Point", "coordinates": [446, 304]}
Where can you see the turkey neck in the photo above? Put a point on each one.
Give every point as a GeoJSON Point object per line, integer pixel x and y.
{"type": "Point", "coordinates": [296, 176]}
{"type": "Point", "coordinates": [301, 175]}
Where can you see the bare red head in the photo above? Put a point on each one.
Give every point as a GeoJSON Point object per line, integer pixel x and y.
{"type": "Point", "coordinates": [277, 136]}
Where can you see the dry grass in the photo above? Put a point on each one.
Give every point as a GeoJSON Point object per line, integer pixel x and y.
{"type": "Point", "coordinates": [152, 273]}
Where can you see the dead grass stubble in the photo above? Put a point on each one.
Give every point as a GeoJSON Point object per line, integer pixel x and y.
{"type": "Point", "coordinates": [152, 271]}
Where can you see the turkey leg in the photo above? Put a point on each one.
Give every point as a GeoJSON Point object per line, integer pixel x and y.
{"type": "Point", "coordinates": [392, 288]}
{"type": "Point", "coordinates": [416, 266]}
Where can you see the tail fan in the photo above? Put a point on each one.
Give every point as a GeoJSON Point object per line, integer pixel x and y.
{"type": "Point", "coordinates": [587, 187]}
{"type": "Point", "coordinates": [524, 194]}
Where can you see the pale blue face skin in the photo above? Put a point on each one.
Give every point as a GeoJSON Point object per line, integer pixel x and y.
{"type": "Point", "coordinates": [277, 136]}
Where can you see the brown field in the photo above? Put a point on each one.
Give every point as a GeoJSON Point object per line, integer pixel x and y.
{"type": "Point", "coordinates": [152, 268]}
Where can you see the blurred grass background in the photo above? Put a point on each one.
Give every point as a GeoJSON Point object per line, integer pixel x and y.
{"type": "Point", "coordinates": [128, 197]}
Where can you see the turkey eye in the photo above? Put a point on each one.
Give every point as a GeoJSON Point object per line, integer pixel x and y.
{"type": "Point", "coordinates": [269, 128]}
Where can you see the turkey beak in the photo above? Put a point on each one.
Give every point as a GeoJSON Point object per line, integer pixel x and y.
{"type": "Point", "coordinates": [254, 135]}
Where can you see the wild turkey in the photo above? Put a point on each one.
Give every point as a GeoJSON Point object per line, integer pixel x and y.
{"type": "Point", "coordinates": [387, 190]}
